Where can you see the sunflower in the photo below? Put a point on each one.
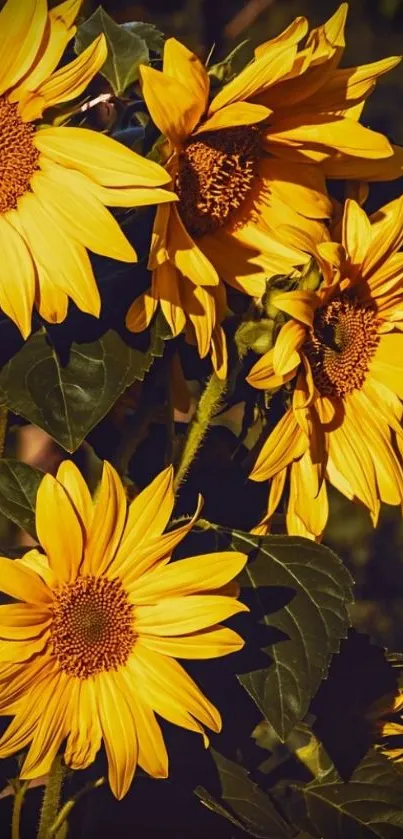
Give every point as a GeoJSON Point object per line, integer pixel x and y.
{"type": "Point", "coordinates": [252, 160]}
{"type": "Point", "coordinates": [88, 651]}
{"type": "Point", "coordinates": [56, 181]}
{"type": "Point", "coordinates": [341, 353]}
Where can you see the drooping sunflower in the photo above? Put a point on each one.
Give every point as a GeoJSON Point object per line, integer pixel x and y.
{"type": "Point", "coordinates": [88, 653]}
{"type": "Point", "coordinates": [251, 160]}
{"type": "Point", "coordinates": [55, 182]}
{"type": "Point", "coordinates": [341, 350]}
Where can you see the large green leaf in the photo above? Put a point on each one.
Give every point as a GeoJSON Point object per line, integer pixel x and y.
{"type": "Point", "coordinates": [18, 487]}
{"type": "Point", "coordinates": [68, 401]}
{"type": "Point", "coordinates": [312, 620]}
{"type": "Point", "coordinates": [369, 806]}
{"type": "Point", "coordinates": [249, 807]}
{"type": "Point", "coordinates": [127, 48]}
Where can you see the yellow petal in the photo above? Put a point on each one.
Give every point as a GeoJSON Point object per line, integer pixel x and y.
{"type": "Point", "coordinates": [85, 735]}
{"type": "Point", "coordinates": [141, 312]}
{"type": "Point", "coordinates": [148, 515]}
{"type": "Point", "coordinates": [101, 158]}
{"type": "Point", "coordinates": [16, 682]}
{"type": "Point", "coordinates": [238, 113]}
{"type": "Point", "coordinates": [350, 84]}
{"type": "Point", "coordinates": [20, 621]}
{"type": "Point", "coordinates": [199, 305]}
{"type": "Point", "coordinates": [70, 81]}
{"type": "Point", "coordinates": [118, 731]}
{"type": "Point", "coordinates": [57, 35]}
{"type": "Point", "coordinates": [285, 443]}
{"type": "Point", "coordinates": [71, 271]}
{"type": "Point", "coordinates": [301, 305]}
{"type": "Point", "coordinates": [130, 196]}
{"type": "Point", "coordinates": [277, 485]}
{"type": "Point", "coordinates": [356, 234]}
{"type": "Point", "coordinates": [59, 530]}
{"type": "Point", "coordinates": [291, 35]}
{"type": "Point", "coordinates": [188, 576]}
{"type": "Point", "coordinates": [172, 106]}
{"type": "Point", "coordinates": [17, 277]}
{"type": "Point", "coordinates": [20, 582]}
{"type": "Point", "coordinates": [265, 71]}
{"type": "Point", "coordinates": [219, 352]}
{"type": "Point", "coordinates": [338, 133]}
{"type": "Point", "coordinates": [73, 482]}
{"type": "Point", "coordinates": [108, 521]}
{"type": "Point", "coordinates": [166, 283]}
{"type": "Point", "coordinates": [212, 643]}
{"type": "Point", "coordinates": [50, 731]}
{"type": "Point", "coordinates": [365, 169]}
{"type": "Point", "coordinates": [286, 355]}
{"type": "Point", "coordinates": [72, 206]}
{"type": "Point", "coordinates": [181, 615]}
{"type": "Point", "coordinates": [302, 186]}
{"type": "Point", "coordinates": [386, 235]}
{"type": "Point", "coordinates": [52, 302]}
{"type": "Point", "coordinates": [152, 753]}
{"type": "Point", "coordinates": [184, 66]}
{"type": "Point", "coordinates": [21, 30]}
{"type": "Point", "coordinates": [153, 552]}
{"type": "Point", "coordinates": [23, 726]}
{"type": "Point", "coordinates": [352, 460]}
{"type": "Point", "coordinates": [170, 691]}
{"type": "Point", "coordinates": [237, 264]}
{"type": "Point", "coordinates": [306, 502]}
{"type": "Point", "coordinates": [186, 255]}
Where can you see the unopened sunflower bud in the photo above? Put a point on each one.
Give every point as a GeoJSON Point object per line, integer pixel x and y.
{"type": "Point", "coordinates": [255, 335]}
{"type": "Point", "coordinates": [265, 339]}
{"type": "Point", "coordinates": [311, 277]}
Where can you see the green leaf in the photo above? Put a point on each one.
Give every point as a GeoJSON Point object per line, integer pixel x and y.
{"type": "Point", "coordinates": [126, 49]}
{"type": "Point", "coordinates": [313, 620]}
{"type": "Point", "coordinates": [369, 806]}
{"type": "Point", "coordinates": [68, 401]}
{"type": "Point", "coordinates": [148, 32]}
{"type": "Point", "coordinates": [249, 807]}
{"type": "Point", "coordinates": [18, 487]}
{"type": "Point", "coordinates": [225, 70]}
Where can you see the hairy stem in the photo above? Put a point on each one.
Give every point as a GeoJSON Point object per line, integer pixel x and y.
{"type": "Point", "coordinates": [209, 404]}
{"type": "Point", "coordinates": [51, 798]}
{"type": "Point", "coordinates": [19, 795]}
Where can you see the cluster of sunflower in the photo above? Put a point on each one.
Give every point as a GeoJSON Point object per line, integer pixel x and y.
{"type": "Point", "coordinates": [239, 178]}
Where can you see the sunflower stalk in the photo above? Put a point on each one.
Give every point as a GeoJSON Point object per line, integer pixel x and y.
{"type": "Point", "coordinates": [208, 406]}
{"type": "Point", "coordinates": [20, 789]}
{"type": "Point", "coordinates": [55, 830]}
{"type": "Point", "coordinates": [51, 798]}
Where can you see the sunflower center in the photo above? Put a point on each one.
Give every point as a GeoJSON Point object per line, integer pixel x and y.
{"type": "Point", "coordinates": [18, 155]}
{"type": "Point", "coordinates": [92, 628]}
{"type": "Point", "coordinates": [216, 172]}
{"type": "Point", "coordinates": [341, 345]}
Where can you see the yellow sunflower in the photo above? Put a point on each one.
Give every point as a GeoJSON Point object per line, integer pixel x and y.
{"type": "Point", "coordinates": [56, 181]}
{"type": "Point", "coordinates": [88, 651]}
{"type": "Point", "coordinates": [343, 348]}
{"type": "Point", "coordinates": [253, 159]}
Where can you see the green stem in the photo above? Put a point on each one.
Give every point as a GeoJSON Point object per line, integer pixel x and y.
{"type": "Point", "coordinates": [209, 404]}
{"type": "Point", "coordinates": [3, 427]}
{"type": "Point", "coordinates": [65, 811]}
{"type": "Point", "coordinates": [51, 798]}
{"type": "Point", "coordinates": [19, 796]}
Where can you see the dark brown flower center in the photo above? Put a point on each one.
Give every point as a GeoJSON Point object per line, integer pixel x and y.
{"type": "Point", "coordinates": [341, 345]}
{"type": "Point", "coordinates": [18, 155]}
{"type": "Point", "coordinates": [92, 629]}
{"type": "Point", "coordinates": [216, 172]}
